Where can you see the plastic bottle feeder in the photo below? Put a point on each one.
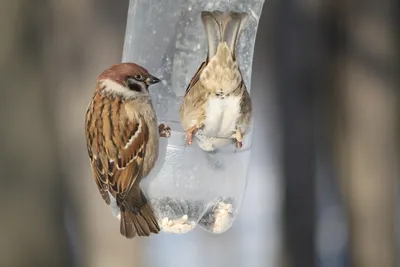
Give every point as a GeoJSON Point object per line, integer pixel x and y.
{"type": "Point", "coordinates": [189, 186]}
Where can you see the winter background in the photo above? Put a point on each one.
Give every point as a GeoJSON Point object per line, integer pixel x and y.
{"type": "Point", "coordinates": [322, 188]}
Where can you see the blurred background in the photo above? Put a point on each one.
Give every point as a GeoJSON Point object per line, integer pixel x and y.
{"type": "Point", "coordinates": [323, 187]}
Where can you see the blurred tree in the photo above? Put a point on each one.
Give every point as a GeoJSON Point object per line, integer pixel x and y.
{"type": "Point", "coordinates": [367, 110]}
{"type": "Point", "coordinates": [340, 59]}
{"type": "Point", "coordinates": [298, 60]}
{"type": "Point", "coordinates": [32, 226]}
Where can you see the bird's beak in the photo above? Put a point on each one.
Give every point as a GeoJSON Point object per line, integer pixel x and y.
{"type": "Point", "coordinates": [152, 80]}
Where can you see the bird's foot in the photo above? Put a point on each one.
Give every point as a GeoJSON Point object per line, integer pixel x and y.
{"type": "Point", "coordinates": [238, 137]}
{"type": "Point", "coordinates": [189, 138]}
{"type": "Point", "coordinates": [164, 130]}
{"type": "Point", "coordinates": [189, 135]}
{"type": "Point", "coordinates": [239, 144]}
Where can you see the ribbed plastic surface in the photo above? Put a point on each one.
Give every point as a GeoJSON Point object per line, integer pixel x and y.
{"type": "Point", "coordinates": [188, 186]}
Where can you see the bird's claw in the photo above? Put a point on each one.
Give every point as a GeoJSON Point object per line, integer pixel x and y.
{"type": "Point", "coordinates": [239, 144]}
{"type": "Point", "coordinates": [189, 135]}
{"type": "Point", "coordinates": [164, 130]}
{"type": "Point", "coordinates": [189, 138]}
{"type": "Point", "coordinates": [238, 137]}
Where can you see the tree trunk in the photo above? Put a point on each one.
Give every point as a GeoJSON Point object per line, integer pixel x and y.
{"type": "Point", "coordinates": [367, 130]}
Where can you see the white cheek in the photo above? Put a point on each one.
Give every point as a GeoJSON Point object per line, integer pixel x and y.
{"type": "Point", "coordinates": [116, 88]}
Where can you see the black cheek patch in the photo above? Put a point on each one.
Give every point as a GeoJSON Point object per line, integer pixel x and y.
{"type": "Point", "coordinates": [135, 87]}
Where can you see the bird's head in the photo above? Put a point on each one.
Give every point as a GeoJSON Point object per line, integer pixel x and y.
{"type": "Point", "coordinates": [128, 80]}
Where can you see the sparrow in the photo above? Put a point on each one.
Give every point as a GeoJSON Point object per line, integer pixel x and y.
{"type": "Point", "coordinates": [122, 140]}
{"type": "Point", "coordinates": [216, 106]}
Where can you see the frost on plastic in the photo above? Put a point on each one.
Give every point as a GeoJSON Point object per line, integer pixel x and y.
{"type": "Point", "coordinates": [188, 186]}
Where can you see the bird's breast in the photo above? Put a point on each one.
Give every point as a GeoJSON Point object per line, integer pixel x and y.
{"type": "Point", "coordinates": [221, 115]}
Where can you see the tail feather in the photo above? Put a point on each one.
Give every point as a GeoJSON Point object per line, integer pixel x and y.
{"type": "Point", "coordinates": [222, 27]}
{"type": "Point", "coordinates": [141, 226]}
{"type": "Point", "coordinates": [213, 27]}
{"type": "Point", "coordinates": [140, 221]}
{"type": "Point", "coordinates": [148, 215]}
{"type": "Point", "coordinates": [126, 225]}
{"type": "Point", "coordinates": [233, 27]}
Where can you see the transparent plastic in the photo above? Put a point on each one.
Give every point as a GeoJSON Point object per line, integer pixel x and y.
{"type": "Point", "coordinates": [188, 186]}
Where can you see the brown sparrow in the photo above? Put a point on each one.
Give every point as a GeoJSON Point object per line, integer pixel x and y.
{"type": "Point", "coordinates": [216, 106]}
{"type": "Point", "coordinates": [122, 141]}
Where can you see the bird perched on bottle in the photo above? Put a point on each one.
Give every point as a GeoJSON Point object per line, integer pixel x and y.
{"type": "Point", "coordinates": [216, 107]}
{"type": "Point", "coordinates": [122, 141]}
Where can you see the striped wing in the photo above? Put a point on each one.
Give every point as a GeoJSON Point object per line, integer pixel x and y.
{"type": "Point", "coordinates": [116, 147]}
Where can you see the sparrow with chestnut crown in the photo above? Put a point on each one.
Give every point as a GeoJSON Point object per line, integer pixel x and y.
{"type": "Point", "coordinates": [122, 139]}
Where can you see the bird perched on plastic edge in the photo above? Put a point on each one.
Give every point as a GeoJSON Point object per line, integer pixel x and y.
{"type": "Point", "coordinates": [122, 139]}
{"type": "Point", "coordinates": [216, 107]}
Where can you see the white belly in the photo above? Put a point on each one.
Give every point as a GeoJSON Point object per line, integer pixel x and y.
{"type": "Point", "coordinates": [221, 116]}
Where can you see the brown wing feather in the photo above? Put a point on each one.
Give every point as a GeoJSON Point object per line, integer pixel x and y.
{"type": "Point", "coordinates": [126, 168]}
{"type": "Point", "coordinates": [245, 109]}
{"type": "Point", "coordinates": [191, 109]}
{"type": "Point", "coordinates": [196, 76]}
{"type": "Point", "coordinates": [99, 179]}
{"type": "Point", "coordinates": [99, 173]}
{"type": "Point", "coordinates": [116, 147]}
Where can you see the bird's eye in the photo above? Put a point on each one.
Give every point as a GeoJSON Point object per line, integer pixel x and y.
{"type": "Point", "coordinates": [139, 77]}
